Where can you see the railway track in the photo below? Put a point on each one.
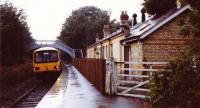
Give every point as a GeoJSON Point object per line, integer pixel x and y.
{"type": "Point", "coordinates": [31, 98]}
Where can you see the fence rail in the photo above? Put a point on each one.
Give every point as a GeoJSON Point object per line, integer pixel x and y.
{"type": "Point", "coordinates": [93, 70]}
{"type": "Point", "coordinates": [134, 80]}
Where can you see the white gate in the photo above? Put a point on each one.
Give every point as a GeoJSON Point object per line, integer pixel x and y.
{"type": "Point", "coordinates": [134, 80]}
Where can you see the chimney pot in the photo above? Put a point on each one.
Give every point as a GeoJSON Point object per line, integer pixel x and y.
{"type": "Point", "coordinates": [134, 19]}
{"type": "Point", "coordinates": [178, 4]}
{"type": "Point", "coordinates": [97, 37]}
{"type": "Point", "coordinates": [143, 11]}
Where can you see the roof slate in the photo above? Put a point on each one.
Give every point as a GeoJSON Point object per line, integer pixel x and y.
{"type": "Point", "coordinates": [107, 37]}
{"type": "Point", "coordinates": [144, 29]}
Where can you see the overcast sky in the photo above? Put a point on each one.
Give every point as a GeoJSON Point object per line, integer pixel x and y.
{"type": "Point", "coordinates": [45, 17]}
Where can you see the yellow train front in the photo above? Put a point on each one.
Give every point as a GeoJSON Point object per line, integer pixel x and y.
{"type": "Point", "coordinates": [46, 62]}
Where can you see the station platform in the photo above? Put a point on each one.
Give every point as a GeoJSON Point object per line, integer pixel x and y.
{"type": "Point", "coordinates": [72, 90]}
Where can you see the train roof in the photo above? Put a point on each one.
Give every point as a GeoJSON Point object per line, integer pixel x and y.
{"type": "Point", "coordinates": [46, 49]}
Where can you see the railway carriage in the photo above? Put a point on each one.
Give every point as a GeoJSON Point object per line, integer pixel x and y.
{"type": "Point", "coordinates": [46, 61]}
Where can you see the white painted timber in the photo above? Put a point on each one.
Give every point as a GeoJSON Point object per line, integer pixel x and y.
{"type": "Point", "coordinates": [134, 76]}
{"type": "Point", "coordinates": [128, 82]}
{"type": "Point", "coordinates": [153, 63]}
{"type": "Point", "coordinates": [136, 89]}
{"type": "Point", "coordinates": [146, 70]}
{"type": "Point", "coordinates": [123, 86]}
{"type": "Point", "coordinates": [140, 84]}
{"type": "Point", "coordinates": [132, 95]}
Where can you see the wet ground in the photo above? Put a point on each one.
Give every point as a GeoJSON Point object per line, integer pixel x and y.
{"type": "Point", "coordinates": [72, 90]}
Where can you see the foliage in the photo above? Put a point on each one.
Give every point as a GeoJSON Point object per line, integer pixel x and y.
{"type": "Point", "coordinates": [185, 31]}
{"type": "Point", "coordinates": [84, 25]}
{"type": "Point", "coordinates": [15, 74]}
{"type": "Point", "coordinates": [15, 34]}
{"type": "Point", "coordinates": [178, 88]}
{"type": "Point", "coordinates": [158, 7]}
{"type": "Point", "coordinates": [195, 16]}
{"type": "Point", "coordinates": [194, 30]}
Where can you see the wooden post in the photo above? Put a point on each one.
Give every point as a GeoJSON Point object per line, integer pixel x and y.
{"type": "Point", "coordinates": [113, 76]}
{"type": "Point", "coordinates": [110, 77]}
{"type": "Point", "coordinates": [74, 54]}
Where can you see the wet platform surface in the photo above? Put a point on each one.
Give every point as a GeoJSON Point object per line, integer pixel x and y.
{"type": "Point", "coordinates": [72, 90]}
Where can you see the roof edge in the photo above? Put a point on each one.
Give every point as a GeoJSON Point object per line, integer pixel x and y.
{"type": "Point", "coordinates": [107, 38]}
{"type": "Point", "coordinates": [157, 26]}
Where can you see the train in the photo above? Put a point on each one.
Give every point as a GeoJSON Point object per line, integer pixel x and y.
{"type": "Point", "coordinates": [46, 61]}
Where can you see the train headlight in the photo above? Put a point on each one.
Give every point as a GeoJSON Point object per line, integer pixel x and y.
{"type": "Point", "coordinates": [56, 67]}
{"type": "Point", "coordinates": [36, 68]}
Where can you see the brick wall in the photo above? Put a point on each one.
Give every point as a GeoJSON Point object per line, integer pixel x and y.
{"type": "Point", "coordinates": [166, 43]}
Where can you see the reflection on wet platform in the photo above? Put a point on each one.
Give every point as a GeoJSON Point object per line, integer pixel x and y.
{"type": "Point", "coordinates": [73, 90]}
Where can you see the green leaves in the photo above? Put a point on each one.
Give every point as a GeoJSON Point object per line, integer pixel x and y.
{"type": "Point", "coordinates": [178, 88]}
{"type": "Point", "coordinates": [81, 28]}
{"type": "Point", "coordinates": [158, 7]}
{"type": "Point", "coordinates": [15, 34]}
{"type": "Point", "coordinates": [195, 16]}
{"type": "Point", "coordinates": [185, 31]}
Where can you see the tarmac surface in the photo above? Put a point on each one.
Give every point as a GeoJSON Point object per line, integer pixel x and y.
{"type": "Point", "coordinates": [72, 90]}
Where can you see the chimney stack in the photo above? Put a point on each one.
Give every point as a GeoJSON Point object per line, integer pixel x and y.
{"type": "Point", "coordinates": [134, 19]}
{"type": "Point", "coordinates": [106, 30]}
{"type": "Point", "coordinates": [97, 37]}
{"type": "Point", "coordinates": [124, 18]}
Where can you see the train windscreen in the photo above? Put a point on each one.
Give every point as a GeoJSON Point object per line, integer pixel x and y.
{"type": "Point", "coordinates": [46, 56]}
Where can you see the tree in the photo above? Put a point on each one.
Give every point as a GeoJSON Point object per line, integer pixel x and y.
{"type": "Point", "coordinates": [158, 7]}
{"type": "Point", "coordinates": [84, 25]}
{"type": "Point", "coordinates": [178, 88]}
{"type": "Point", "coordinates": [15, 34]}
{"type": "Point", "coordinates": [195, 16]}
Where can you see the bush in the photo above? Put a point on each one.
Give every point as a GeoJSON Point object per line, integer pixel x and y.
{"type": "Point", "coordinates": [179, 88]}
{"type": "Point", "coordinates": [15, 74]}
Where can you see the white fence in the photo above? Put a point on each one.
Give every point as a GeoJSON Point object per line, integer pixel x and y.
{"type": "Point", "coordinates": [131, 78]}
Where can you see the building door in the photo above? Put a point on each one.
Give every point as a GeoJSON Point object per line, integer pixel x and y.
{"type": "Point", "coordinates": [126, 58]}
{"type": "Point", "coordinates": [126, 53]}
